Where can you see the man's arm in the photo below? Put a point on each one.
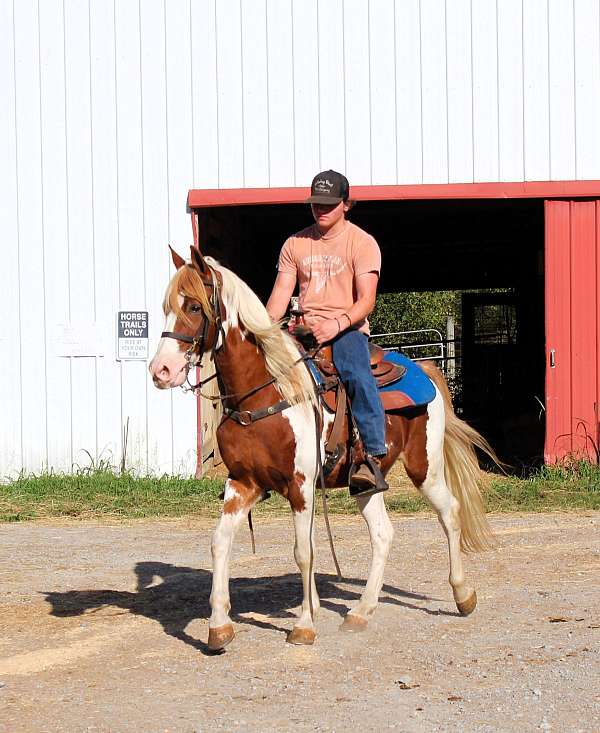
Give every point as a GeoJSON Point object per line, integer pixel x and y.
{"type": "Point", "coordinates": [283, 289]}
{"type": "Point", "coordinates": [366, 292]}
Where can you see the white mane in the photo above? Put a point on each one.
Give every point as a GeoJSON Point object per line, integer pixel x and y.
{"type": "Point", "coordinates": [243, 308]}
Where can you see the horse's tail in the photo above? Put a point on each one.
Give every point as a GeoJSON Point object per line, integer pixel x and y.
{"type": "Point", "coordinates": [462, 471]}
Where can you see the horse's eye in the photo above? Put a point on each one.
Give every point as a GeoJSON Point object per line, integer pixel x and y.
{"type": "Point", "coordinates": [195, 308]}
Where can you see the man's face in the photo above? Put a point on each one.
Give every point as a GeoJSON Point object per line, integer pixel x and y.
{"type": "Point", "coordinates": [326, 215]}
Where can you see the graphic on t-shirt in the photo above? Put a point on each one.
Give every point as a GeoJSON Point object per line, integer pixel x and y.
{"type": "Point", "coordinates": [321, 268]}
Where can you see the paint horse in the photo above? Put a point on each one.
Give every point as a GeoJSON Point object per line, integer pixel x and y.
{"type": "Point", "coordinates": [268, 441]}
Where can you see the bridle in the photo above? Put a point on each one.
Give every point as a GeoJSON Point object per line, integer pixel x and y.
{"type": "Point", "coordinates": [203, 340]}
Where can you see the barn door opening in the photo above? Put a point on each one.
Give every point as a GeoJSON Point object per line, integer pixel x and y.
{"type": "Point", "coordinates": [572, 329]}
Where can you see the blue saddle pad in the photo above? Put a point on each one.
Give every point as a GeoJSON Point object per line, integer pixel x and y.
{"type": "Point", "coordinates": [415, 385]}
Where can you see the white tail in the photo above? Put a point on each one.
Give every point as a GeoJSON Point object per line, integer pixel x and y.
{"type": "Point", "coordinates": [462, 472]}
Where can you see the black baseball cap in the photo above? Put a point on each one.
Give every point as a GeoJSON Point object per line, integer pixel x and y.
{"type": "Point", "coordinates": [329, 187]}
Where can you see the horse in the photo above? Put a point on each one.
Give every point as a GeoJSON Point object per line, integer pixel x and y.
{"type": "Point", "coordinates": [272, 437]}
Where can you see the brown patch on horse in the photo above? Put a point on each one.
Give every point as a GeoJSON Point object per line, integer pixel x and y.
{"type": "Point", "coordinates": [295, 496]}
{"type": "Point", "coordinates": [245, 496]}
{"type": "Point", "coordinates": [262, 454]}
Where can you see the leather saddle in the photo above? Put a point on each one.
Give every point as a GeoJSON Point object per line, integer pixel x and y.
{"type": "Point", "coordinates": [335, 397]}
{"type": "Point", "coordinates": [385, 372]}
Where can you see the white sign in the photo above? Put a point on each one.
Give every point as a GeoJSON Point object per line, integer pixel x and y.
{"type": "Point", "coordinates": [78, 339]}
{"type": "Point", "coordinates": [132, 335]}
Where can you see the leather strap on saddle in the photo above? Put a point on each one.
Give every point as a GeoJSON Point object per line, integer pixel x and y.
{"type": "Point", "coordinates": [335, 441]}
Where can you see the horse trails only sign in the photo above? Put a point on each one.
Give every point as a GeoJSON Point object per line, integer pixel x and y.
{"type": "Point", "coordinates": [132, 335]}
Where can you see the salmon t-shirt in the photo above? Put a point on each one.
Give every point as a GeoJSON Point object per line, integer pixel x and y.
{"type": "Point", "coordinates": [326, 267]}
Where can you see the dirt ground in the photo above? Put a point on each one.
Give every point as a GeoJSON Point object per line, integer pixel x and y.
{"type": "Point", "coordinates": [103, 628]}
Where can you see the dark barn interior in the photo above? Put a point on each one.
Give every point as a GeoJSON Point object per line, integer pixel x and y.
{"type": "Point", "coordinates": [495, 246]}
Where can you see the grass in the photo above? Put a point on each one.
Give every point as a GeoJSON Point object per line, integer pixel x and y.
{"type": "Point", "coordinates": [103, 493]}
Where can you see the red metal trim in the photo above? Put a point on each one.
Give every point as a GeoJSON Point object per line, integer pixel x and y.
{"type": "Point", "coordinates": [199, 198]}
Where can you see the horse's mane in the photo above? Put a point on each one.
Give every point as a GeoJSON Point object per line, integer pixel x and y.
{"type": "Point", "coordinates": [245, 310]}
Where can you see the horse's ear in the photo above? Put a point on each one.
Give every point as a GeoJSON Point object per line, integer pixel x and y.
{"type": "Point", "coordinates": [199, 261]}
{"type": "Point", "coordinates": [178, 261]}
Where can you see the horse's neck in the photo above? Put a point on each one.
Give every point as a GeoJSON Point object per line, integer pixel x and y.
{"type": "Point", "coordinates": [241, 367]}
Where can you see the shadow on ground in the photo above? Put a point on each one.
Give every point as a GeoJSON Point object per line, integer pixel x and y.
{"type": "Point", "coordinates": [177, 595]}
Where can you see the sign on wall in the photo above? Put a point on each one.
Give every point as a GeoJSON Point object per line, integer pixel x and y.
{"type": "Point", "coordinates": [132, 335]}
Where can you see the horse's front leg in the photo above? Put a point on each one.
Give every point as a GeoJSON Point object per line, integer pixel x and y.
{"type": "Point", "coordinates": [381, 533]}
{"type": "Point", "coordinates": [238, 501]}
{"type": "Point", "coordinates": [304, 550]}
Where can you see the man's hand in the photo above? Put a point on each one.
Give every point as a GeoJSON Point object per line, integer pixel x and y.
{"type": "Point", "coordinates": [326, 330]}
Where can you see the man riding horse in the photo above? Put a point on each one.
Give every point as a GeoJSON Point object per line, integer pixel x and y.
{"type": "Point", "coordinates": [337, 266]}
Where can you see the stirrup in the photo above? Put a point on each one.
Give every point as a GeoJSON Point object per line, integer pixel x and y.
{"type": "Point", "coordinates": [367, 489]}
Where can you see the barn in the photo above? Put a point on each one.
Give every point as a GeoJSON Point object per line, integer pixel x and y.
{"type": "Point", "coordinates": [468, 131]}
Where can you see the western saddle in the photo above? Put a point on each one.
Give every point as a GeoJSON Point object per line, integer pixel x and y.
{"type": "Point", "coordinates": [335, 398]}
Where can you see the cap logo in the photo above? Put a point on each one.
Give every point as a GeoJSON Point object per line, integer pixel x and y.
{"type": "Point", "coordinates": [323, 185]}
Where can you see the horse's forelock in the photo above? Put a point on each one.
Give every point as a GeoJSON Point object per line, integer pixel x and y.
{"type": "Point", "coordinates": [186, 282]}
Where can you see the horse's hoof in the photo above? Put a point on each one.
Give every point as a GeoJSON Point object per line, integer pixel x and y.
{"type": "Point", "coordinates": [219, 638]}
{"type": "Point", "coordinates": [301, 636]}
{"type": "Point", "coordinates": [467, 607]}
{"type": "Point", "coordinates": [354, 623]}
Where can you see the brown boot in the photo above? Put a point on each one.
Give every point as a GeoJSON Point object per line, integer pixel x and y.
{"type": "Point", "coordinates": [368, 479]}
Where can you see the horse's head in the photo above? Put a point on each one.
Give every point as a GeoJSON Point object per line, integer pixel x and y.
{"type": "Point", "coordinates": [192, 313]}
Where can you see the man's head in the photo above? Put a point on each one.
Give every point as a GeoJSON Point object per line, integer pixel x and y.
{"type": "Point", "coordinates": [329, 194]}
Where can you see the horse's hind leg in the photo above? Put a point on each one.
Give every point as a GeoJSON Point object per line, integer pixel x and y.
{"type": "Point", "coordinates": [435, 489]}
{"type": "Point", "coordinates": [238, 501]}
{"type": "Point", "coordinates": [381, 533]}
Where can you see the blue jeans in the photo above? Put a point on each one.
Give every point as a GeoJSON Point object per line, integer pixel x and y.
{"type": "Point", "coordinates": [351, 358]}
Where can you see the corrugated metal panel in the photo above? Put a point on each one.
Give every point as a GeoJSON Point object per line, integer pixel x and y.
{"type": "Point", "coordinates": [113, 111]}
{"type": "Point", "coordinates": [572, 323]}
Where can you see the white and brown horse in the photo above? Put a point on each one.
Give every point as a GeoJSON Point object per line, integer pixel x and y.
{"type": "Point", "coordinates": [268, 440]}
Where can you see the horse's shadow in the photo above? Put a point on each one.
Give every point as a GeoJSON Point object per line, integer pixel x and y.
{"type": "Point", "coordinates": [183, 594]}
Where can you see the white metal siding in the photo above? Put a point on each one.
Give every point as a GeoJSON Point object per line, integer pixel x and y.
{"type": "Point", "coordinates": [112, 111]}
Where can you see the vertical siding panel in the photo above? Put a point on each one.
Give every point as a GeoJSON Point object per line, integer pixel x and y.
{"type": "Point", "coordinates": [306, 91]}
{"type": "Point", "coordinates": [180, 168]}
{"type": "Point", "coordinates": [558, 330]}
{"type": "Point", "coordinates": [587, 88]}
{"type": "Point", "coordinates": [332, 137]}
{"type": "Point", "coordinates": [131, 218]}
{"type": "Point", "coordinates": [31, 254]}
{"type": "Point", "coordinates": [583, 331]}
{"type": "Point", "coordinates": [535, 85]}
{"type": "Point", "coordinates": [229, 80]}
{"type": "Point", "coordinates": [460, 86]}
{"type": "Point", "coordinates": [434, 92]}
{"type": "Point", "coordinates": [357, 92]}
{"type": "Point", "coordinates": [562, 91]}
{"type": "Point", "coordinates": [485, 90]}
{"type": "Point", "coordinates": [105, 222]}
{"type": "Point", "coordinates": [256, 115]}
{"type": "Point", "coordinates": [11, 459]}
{"type": "Point", "coordinates": [156, 216]}
{"type": "Point", "coordinates": [204, 94]}
{"type": "Point", "coordinates": [383, 92]}
{"type": "Point", "coordinates": [56, 236]}
{"type": "Point", "coordinates": [281, 92]}
{"type": "Point", "coordinates": [81, 242]}
{"type": "Point", "coordinates": [510, 90]}
{"type": "Point", "coordinates": [409, 134]}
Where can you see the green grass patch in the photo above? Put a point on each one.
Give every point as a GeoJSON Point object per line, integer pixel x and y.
{"type": "Point", "coordinates": [574, 484]}
{"type": "Point", "coordinates": [101, 493]}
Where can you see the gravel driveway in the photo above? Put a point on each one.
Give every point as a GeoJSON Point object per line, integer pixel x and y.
{"type": "Point", "coordinates": [104, 629]}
